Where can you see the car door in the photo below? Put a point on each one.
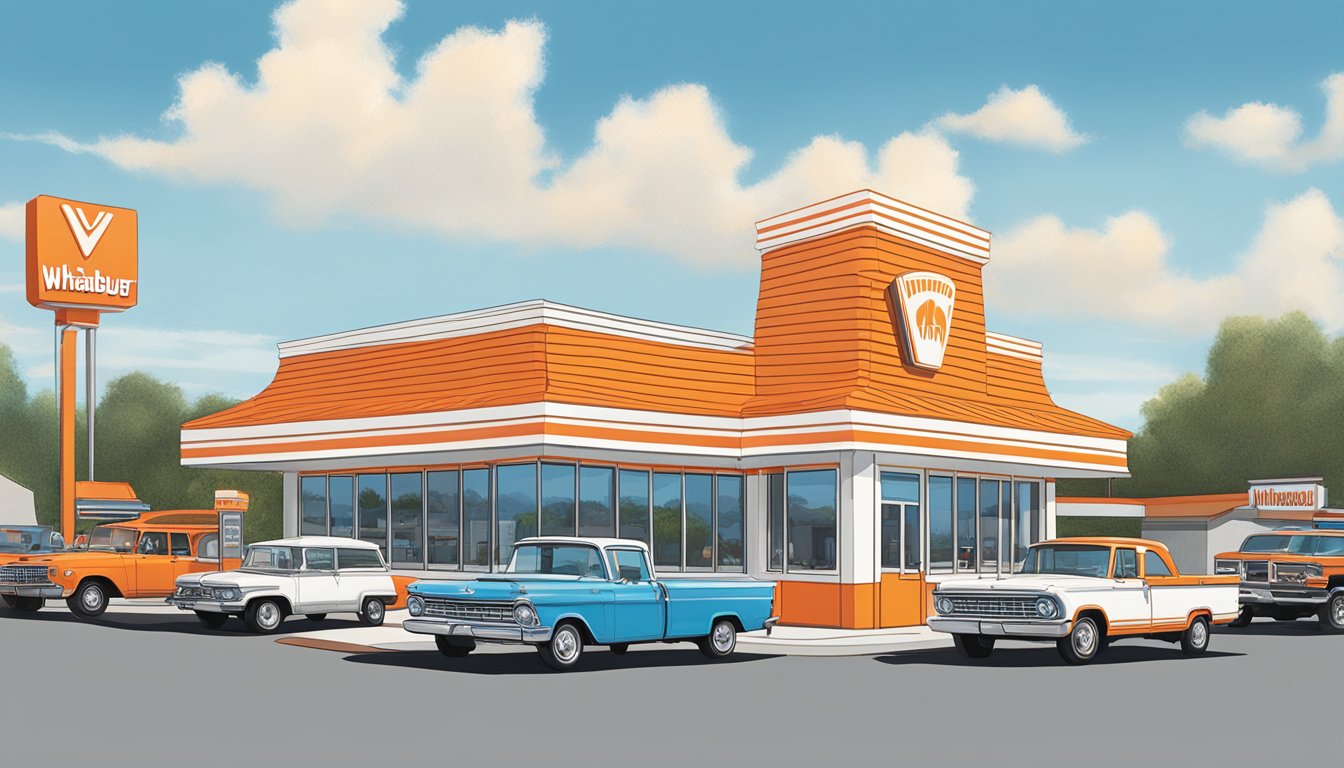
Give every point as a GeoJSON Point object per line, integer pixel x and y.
{"type": "Point", "coordinates": [318, 584]}
{"type": "Point", "coordinates": [637, 599]}
{"type": "Point", "coordinates": [155, 565]}
{"type": "Point", "coordinates": [1128, 605]}
{"type": "Point", "coordinates": [361, 571]}
{"type": "Point", "coordinates": [1171, 597]}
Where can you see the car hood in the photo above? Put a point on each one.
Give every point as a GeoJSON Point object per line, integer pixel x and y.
{"type": "Point", "coordinates": [67, 558]}
{"type": "Point", "coordinates": [1018, 582]}
{"type": "Point", "coordinates": [239, 578]}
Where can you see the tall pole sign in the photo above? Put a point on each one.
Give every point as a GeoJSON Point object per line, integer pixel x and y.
{"type": "Point", "coordinates": [83, 260]}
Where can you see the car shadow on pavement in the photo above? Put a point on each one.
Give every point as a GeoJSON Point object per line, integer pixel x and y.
{"type": "Point", "coordinates": [1046, 656]}
{"type": "Point", "coordinates": [186, 625]}
{"type": "Point", "coordinates": [529, 663]}
{"type": "Point", "coordinates": [1298, 628]}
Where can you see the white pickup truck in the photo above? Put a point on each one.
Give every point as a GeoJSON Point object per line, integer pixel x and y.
{"type": "Point", "coordinates": [309, 575]}
{"type": "Point", "coordinates": [1083, 593]}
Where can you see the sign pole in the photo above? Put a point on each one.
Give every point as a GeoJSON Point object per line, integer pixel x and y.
{"type": "Point", "coordinates": [66, 407]}
{"type": "Point", "coordinates": [91, 386]}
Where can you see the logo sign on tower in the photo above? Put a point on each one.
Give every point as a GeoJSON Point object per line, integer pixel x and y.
{"type": "Point", "coordinates": [81, 255]}
{"type": "Point", "coordinates": [924, 300]}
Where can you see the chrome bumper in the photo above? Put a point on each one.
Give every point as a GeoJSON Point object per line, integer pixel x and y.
{"type": "Point", "coordinates": [1000, 628]}
{"type": "Point", "coordinates": [1282, 595]}
{"type": "Point", "coordinates": [204, 606]}
{"type": "Point", "coordinates": [769, 624]}
{"type": "Point", "coordinates": [477, 630]}
{"type": "Point", "coordinates": [47, 590]}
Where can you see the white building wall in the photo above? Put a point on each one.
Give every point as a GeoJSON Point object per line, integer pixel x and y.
{"type": "Point", "coordinates": [16, 504]}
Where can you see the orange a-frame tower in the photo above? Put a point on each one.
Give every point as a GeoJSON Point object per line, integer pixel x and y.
{"type": "Point", "coordinates": [82, 261]}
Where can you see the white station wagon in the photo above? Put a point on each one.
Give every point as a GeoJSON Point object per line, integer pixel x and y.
{"type": "Point", "coordinates": [309, 575]}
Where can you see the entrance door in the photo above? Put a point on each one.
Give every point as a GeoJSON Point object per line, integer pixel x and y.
{"type": "Point", "coordinates": [637, 601]}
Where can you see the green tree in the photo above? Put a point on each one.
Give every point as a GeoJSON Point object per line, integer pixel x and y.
{"type": "Point", "coordinates": [1270, 404]}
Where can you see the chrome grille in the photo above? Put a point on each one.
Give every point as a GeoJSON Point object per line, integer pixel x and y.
{"type": "Point", "coordinates": [996, 607]}
{"type": "Point", "coordinates": [1292, 573]}
{"type": "Point", "coordinates": [469, 610]}
{"type": "Point", "coordinates": [24, 574]}
{"type": "Point", "coordinates": [1257, 570]}
{"type": "Point", "coordinates": [194, 592]}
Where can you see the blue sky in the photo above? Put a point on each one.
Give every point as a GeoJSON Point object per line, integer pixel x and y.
{"type": "Point", "coordinates": [1148, 168]}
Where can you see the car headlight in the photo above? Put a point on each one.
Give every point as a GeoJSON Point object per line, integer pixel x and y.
{"type": "Point", "coordinates": [51, 573]}
{"type": "Point", "coordinates": [415, 605]}
{"type": "Point", "coordinates": [227, 593]}
{"type": "Point", "coordinates": [68, 574]}
{"type": "Point", "coordinates": [1046, 608]}
{"type": "Point", "coordinates": [1227, 567]}
{"type": "Point", "coordinates": [1313, 570]}
{"type": "Point", "coordinates": [943, 605]}
{"type": "Point", "coordinates": [524, 614]}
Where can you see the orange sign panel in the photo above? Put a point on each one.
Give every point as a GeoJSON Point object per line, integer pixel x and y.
{"type": "Point", "coordinates": [81, 255]}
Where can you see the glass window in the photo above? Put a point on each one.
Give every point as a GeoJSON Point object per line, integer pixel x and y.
{"type": "Point", "coordinates": [811, 519]}
{"type": "Point", "coordinates": [373, 510]}
{"type": "Point", "coordinates": [966, 538]}
{"type": "Point", "coordinates": [313, 501]}
{"type": "Point", "coordinates": [1126, 564]}
{"type": "Point", "coordinates": [153, 544]}
{"type": "Point", "coordinates": [900, 486]}
{"type": "Point", "coordinates": [629, 564]}
{"type": "Point", "coordinates": [989, 525]}
{"type": "Point", "coordinates": [557, 499]}
{"type": "Point", "coordinates": [667, 520]}
{"type": "Point", "coordinates": [699, 521]}
{"type": "Point", "coordinates": [476, 517]}
{"type": "Point", "coordinates": [408, 520]}
{"type": "Point", "coordinates": [1006, 526]}
{"type": "Point", "coordinates": [319, 559]}
{"type": "Point", "coordinates": [941, 545]}
{"type": "Point", "coordinates": [1330, 545]}
{"type": "Point", "coordinates": [775, 509]}
{"type": "Point", "coordinates": [516, 504]}
{"type": "Point", "coordinates": [113, 538]}
{"type": "Point", "coordinates": [273, 558]}
{"type": "Point", "coordinates": [442, 508]}
{"type": "Point", "coordinates": [1069, 560]}
{"type": "Point", "coordinates": [179, 545]}
{"type": "Point", "coordinates": [1028, 518]}
{"type": "Point", "coordinates": [560, 559]}
{"type": "Point", "coordinates": [1266, 543]}
{"type": "Point", "coordinates": [596, 514]}
{"type": "Point", "coordinates": [341, 490]}
{"type": "Point", "coordinates": [208, 547]}
{"type": "Point", "coordinates": [900, 521]}
{"type": "Point", "coordinates": [891, 536]}
{"type": "Point", "coordinates": [634, 505]}
{"type": "Point", "coordinates": [358, 558]}
{"type": "Point", "coordinates": [730, 509]}
{"type": "Point", "coordinates": [1153, 565]}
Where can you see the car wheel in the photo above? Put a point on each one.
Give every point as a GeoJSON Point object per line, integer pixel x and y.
{"type": "Point", "coordinates": [1082, 644]}
{"type": "Point", "coordinates": [1332, 613]}
{"type": "Point", "coordinates": [89, 600]}
{"type": "Point", "coordinates": [453, 650]}
{"type": "Point", "coordinates": [371, 613]}
{"type": "Point", "coordinates": [264, 616]}
{"type": "Point", "coordinates": [974, 646]}
{"type": "Point", "coordinates": [1243, 617]}
{"type": "Point", "coordinates": [720, 641]}
{"type": "Point", "coordinates": [565, 648]}
{"type": "Point", "coordinates": [211, 620]}
{"type": "Point", "coordinates": [10, 600]}
{"type": "Point", "coordinates": [29, 604]}
{"type": "Point", "coordinates": [1195, 638]}
{"type": "Point", "coordinates": [619, 648]}
{"type": "Point", "coordinates": [316, 616]}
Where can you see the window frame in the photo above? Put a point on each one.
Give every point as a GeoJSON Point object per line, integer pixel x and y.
{"type": "Point", "coordinates": [839, 551]}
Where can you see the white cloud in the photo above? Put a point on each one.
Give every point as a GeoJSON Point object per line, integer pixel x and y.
{"type": "Point", "coordinates": [12, 222]}
{"type": "Point", "coordinates": [1123, 272]}
{"type": "Point", "coordinates": [1270, 135]}
{"type": "Point", "coordinates": [332, 131]}
{"type": "Point", "coordinates": [1026, 117]}
{"type": "Point", "coordinates": [1063, 366]}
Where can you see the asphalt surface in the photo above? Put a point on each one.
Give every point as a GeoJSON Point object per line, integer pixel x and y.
{"type": "Point", "coordinates": [157, 689]}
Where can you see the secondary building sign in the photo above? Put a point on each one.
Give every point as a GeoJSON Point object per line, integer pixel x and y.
{"type": "Point", "coordinates": [230, 506]}
{"type": "Point", "coordinates": [1298, 494]}
{"type": "Point", "coordinates": [925, 301]}
{"type": "Point", "coordinates": [81, 255]}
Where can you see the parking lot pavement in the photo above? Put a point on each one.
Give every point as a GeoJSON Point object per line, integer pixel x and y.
{"type": "Point", "coordinates": [154, 688]}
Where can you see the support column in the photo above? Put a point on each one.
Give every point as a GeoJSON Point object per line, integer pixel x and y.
{"type": "Point", "coordinates": [91, 385]}
{"type": "Point", "coordinates": [66, 407]}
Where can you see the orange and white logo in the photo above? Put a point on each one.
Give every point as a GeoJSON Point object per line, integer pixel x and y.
{"type": "Point", "coordinates": [925, 302]}
{"type": "Point", "coordinates": [81, 255]}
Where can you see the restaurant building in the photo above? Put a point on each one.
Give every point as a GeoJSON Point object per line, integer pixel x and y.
{"type": "Point", "coordinates": [870, 438]}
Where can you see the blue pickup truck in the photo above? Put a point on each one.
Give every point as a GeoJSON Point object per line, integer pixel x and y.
{"type": "Point", "coordinates": [562, 593]}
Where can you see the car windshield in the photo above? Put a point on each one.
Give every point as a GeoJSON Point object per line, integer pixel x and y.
{"type": "Point", "coordinates": [110, 538]}
{"type": "Point", "coordinates": [560, 559]}
{"type": "Point", "coordinates": [1278, 543]}
{"type": "Point", "coordinates": [1068, 560]}
{"type": "Point", "coordinates": [273, 558]}
{"type": "Point", "coordinates": [24, 539]}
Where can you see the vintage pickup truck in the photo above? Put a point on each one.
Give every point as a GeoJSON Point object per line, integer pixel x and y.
{"type": "Point", "coordinates": [308, 575]}
{"type": "Point", "coordinates": [28, 540]}
{"type": "Point", "coordinates": [1082, 593]}
{"type": "Point", "coordinates": [563, 593]}
{"type": "Point", "coordinates": [138, 558]}
{"type": "Point", "coordinates": [1289, 574]}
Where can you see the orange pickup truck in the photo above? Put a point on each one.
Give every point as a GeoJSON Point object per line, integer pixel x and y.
{"type": "Point", "coordinates": [1289, 574]}
{"type": "Point", "coordinates": [139, 558]}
